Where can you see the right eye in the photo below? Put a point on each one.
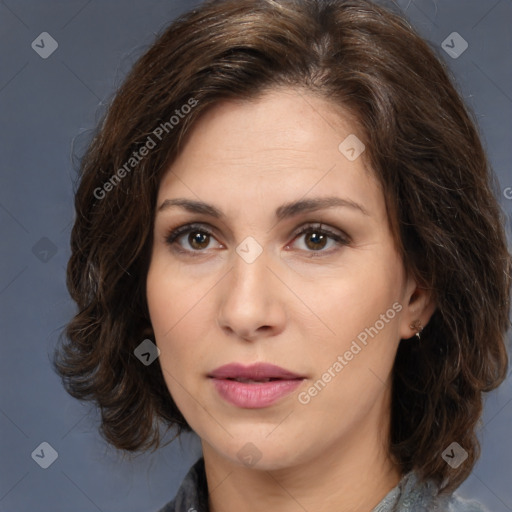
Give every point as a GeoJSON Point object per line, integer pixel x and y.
{"type": "Point", "coordinates": [199, 238]}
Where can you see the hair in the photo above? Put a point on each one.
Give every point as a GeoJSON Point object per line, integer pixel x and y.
{"type": "Point", "coordinates": [421, 144]}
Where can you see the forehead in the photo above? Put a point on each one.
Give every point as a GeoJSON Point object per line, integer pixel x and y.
{"type": "Point", "coordinates": [277, 148]}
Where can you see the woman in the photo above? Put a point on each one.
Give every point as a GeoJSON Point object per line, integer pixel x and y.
{"type": "Point", "coordinates": [287, 241]}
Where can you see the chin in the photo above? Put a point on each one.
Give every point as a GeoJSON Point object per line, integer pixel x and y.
{"type": "Point", "coordinates": [261, 453]}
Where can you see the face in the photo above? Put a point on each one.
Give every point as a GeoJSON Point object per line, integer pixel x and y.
{"type": "Point", "coordinates": [320, 292]}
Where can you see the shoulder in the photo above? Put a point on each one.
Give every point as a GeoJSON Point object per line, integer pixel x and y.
{"type": "Point", "coordinates": [192, 495]}
{"type": "Point", "coordinates": [414, 495]}
{"type": "Point", "coordinates": [458, 504]}
{"type": "Point", "coordinates": [168, 507]}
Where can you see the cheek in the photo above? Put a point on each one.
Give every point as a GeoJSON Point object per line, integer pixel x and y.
{"type": "Point", "coordinates": [362, 312]}
{"type": "Point", "coordinates": [179, 314]}
{"type": "Point", "coordinates": [352, 368]}
{"type": "Point", "coordinates": [357, 297]}
{"type": "Point", "coordinates": [172, 296]}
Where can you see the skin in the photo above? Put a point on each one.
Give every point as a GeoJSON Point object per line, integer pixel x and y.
{"type": "Point", "coordinates": [287, 307]}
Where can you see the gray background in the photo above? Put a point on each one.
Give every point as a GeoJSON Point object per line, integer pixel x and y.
{"type": "Point", "coordinates": [45, 104]}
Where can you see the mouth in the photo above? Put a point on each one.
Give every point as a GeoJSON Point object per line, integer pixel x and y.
{"type": "Point", "coordinates": [258, 372]}
{"type": "Point", "coordinates": [256, 386]}
{"type": "Point", "coordinates": [256, 381]}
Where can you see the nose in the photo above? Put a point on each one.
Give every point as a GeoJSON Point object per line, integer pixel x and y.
{"type": "Point", "coordinates": [252, 300]}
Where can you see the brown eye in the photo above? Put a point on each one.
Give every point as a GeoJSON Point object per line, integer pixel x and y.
{"type": "Point", "coordinates": [198, 239]}
{"type": "Point", "coordinates": [317, 240]}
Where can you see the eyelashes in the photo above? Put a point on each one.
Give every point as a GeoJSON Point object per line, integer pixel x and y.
{"type": "Point", "coordinates": [319, 234]}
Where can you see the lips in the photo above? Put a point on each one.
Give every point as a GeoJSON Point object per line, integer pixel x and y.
{"type": "Point", "coordinates": [258, 372]}
{"type": "Point", "coordinates": [255, 386]}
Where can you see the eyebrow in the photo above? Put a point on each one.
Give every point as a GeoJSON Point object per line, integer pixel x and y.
{"type": "Point", "coordinates": [282, 212]}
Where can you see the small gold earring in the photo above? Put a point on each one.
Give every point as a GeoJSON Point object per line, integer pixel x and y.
{"type": "Point", "coordinates": [416, 326]}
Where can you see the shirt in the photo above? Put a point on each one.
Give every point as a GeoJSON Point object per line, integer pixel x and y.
{"type": "Point", "coordinates": [410, 495]}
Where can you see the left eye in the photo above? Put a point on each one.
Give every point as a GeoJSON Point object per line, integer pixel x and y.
{"type": "Point", "coordinates": [199, 238]}
{"type": "Point", "coordinates": [317, 237]}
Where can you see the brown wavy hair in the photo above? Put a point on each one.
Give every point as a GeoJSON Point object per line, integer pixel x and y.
{"type": "Point", "coordinates": [421, 144]}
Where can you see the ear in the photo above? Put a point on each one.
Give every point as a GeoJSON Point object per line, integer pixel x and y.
{"type": "Point", "coordinates": [418, 307]}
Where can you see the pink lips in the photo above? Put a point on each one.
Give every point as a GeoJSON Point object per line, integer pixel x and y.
{"type": "Point", "coordinates": [262, 384]}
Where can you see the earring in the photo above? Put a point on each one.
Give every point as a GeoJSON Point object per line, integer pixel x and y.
{"type": "Point", "coordinates": [416, 326]}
